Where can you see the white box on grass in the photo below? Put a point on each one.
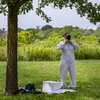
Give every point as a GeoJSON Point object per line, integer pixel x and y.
{"type": "Point", "coordinates": [50, 86]}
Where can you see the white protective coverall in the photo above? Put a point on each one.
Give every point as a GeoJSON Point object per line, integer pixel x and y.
{"type": "Point", "coordinates": [67, 62]}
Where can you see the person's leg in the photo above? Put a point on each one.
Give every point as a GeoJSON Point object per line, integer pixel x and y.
{"type": "Point", "coordinates": [72, 72]}
{"type": "Point", "coordinates": [63, 73]}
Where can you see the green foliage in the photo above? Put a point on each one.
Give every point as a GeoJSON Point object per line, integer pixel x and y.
{"type": "Point", "coordinates": [37, 53]}
{"type": "Point", "coordinates": [26, 7]}
{"type": "Point", "coordinates": [27, 37]}
{"type": "Point", "coordinates": [31, 47]}
{"type": "Point", "coordinates": [3, 7]}
{"type": "Point", "coordinates": [97, 32]}
{"type": "Point", "coordinates": [88, 40]}
{"type": "Point", "coordinates": [53, 40]}
{"type": "Point", "coordinates": [74, 31]}
{"type": "Point", "coordinates": [88, 52]}
{"type": "Point", "coordinates": [83, 7]}
{"type": "Point", "coordinates": [39, 12]}
{"type": "Point", "coordinates": [46, 50]}
{"type": "Point", "coordinates": [46, 27]}
{"type": "Point", "coordinates": [3, 42]}
{"type": "Point", "coordinates": [3, 53]}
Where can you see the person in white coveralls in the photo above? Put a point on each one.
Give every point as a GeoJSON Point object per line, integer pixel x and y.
{"type": "Point", "coordinates": [67, 63]}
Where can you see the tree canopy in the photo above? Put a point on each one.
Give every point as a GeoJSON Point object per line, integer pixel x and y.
{"type": "Point", "coordinates": [46, 27]}
{"type": "Point", "coordinates": [83, 7]}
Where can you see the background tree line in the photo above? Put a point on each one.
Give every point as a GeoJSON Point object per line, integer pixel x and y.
{"type": "Point", "coordinates": [48, 29]}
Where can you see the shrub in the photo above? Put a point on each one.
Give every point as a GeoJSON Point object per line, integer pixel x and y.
{"type": "Point", "coordinates": [3, 42]}
{"type": "Point", "coordinates": [3, 53]}
{"type": "Point", "coordinates": [27, 37]}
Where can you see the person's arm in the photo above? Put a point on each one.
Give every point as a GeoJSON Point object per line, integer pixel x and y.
{"type": "Point", "coordinates": [75, 45]}
{"type": "Point", "coordinates": [60, 45]}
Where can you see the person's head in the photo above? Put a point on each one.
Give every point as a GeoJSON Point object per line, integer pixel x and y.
{"type": "Point", "coordinates": [67, 36]}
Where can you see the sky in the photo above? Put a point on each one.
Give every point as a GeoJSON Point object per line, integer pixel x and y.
{"type": "Point", "coordinates": [60, 18]}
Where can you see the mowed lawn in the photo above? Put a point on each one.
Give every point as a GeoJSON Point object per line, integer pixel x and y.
{"type": "Point", "coordinates": [88, 80]}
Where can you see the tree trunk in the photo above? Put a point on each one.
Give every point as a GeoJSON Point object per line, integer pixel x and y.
{"type": "Point", "coordinates": [11, 71]}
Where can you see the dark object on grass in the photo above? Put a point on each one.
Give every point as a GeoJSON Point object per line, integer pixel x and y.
{"type": "Point", "coordinates": [29, 88]}
{"type": "Point", "coordinates": [22, 90]}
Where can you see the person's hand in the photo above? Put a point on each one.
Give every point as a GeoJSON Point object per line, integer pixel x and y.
{"type": "Point", "coordinates": [68, 41]}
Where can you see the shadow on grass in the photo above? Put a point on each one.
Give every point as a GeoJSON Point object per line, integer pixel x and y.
{"type": "Point", "coordinates": [85, 90]}
{"type": "Point", "coordinates": [89, 90]}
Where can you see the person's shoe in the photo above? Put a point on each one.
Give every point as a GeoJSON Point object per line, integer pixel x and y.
{"type": "Point", "coordinates": [69, 87]}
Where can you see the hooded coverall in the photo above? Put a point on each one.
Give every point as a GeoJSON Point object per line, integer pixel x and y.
{"type": "Point", "coordinates": [67, 62]}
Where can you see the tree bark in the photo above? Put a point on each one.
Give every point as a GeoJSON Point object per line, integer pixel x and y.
{"type": "Point", "coordinates": [11, 70]}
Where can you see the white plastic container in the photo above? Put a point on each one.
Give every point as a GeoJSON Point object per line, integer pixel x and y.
{"type": "Point", "coordinates": [50, 86]}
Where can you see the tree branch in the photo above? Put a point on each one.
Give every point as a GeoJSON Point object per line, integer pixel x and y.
{"type": "Point", "coordinates": [21, 2]}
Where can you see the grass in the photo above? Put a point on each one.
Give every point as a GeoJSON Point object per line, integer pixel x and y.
{"type": "Point", "coordinates": [88, 80]}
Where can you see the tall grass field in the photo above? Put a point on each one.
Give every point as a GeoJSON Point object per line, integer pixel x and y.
{"type": "Point", "coordinates": [45, 50]}
{"type": "Point", "coordinates": [88, 80]}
